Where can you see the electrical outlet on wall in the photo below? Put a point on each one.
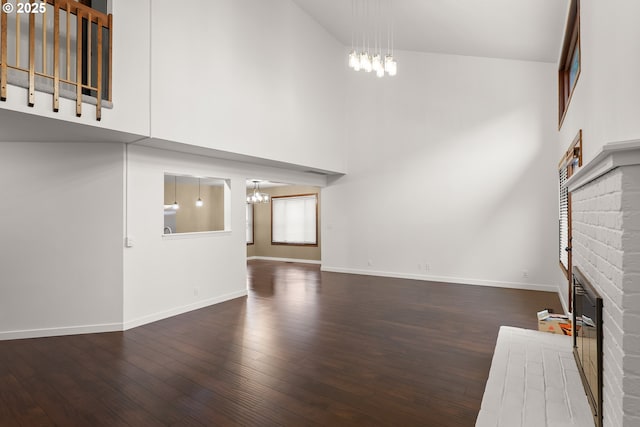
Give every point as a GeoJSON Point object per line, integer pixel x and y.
{"type": "Point", "coordinates": [369, 263]}
{"type": "Point", "coordinates": [525, 274]}
{"type": "Point", "coordinates": [427, 266]}
{"type": "Point", "coordinates": [196, 292]}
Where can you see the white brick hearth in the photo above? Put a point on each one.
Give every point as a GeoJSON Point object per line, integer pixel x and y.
{"type": "Point", "coordinates": [533, 382]}
{"type": "Point", "coordinates": [606, 248]}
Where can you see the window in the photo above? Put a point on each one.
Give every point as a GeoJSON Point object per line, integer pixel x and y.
{"type": "Point", "coordinates": [569, 67]}
{"type": "Point", "coordinates": [196, 204]}
{"type": "Point", "coordinates": [564, 222]}
{"type": "Point", "coordinates": [294, 220]}
{"type": "Point", "coordinates": [569, 162]}
{"type": "Point", "coordinates": [249, 217]}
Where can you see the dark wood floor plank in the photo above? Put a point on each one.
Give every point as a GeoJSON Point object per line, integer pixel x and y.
{"type": "Point", "coordinates": [240, 374]}
{"type": "Point", "coordinates": [304, 348]}
{"type": "Point", "coordinates": [22, 408]}
{"type": "Point", "coordinates": [142, 367]}
{"type": "Point", "coordinates": [88, 395]}
{"type": "Point", "coordinates": [227, 381]}
{"type": "Point", "coordinates": [92, 359]}
{"type": "Point", "coordinates": [252, 369]}
{"type": "Point", "coordinates": [332, 379]}
{"type": "Point", "coordinates": [52, 403]}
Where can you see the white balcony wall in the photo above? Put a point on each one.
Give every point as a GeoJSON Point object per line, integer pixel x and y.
{"type": "Point", "coordinates": [249, 77]}
{"type": "Point", "coordinates": [130, 81]}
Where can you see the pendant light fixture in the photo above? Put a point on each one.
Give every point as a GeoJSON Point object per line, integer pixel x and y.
{"type": "Point", "coordinates": [257, 196]}
{"type": "Point", "coordinates": [175, 205]}
{"type": "Point", "coordinates": [199, 202]}
{"type": "Point", "coordinates": [367, 17]}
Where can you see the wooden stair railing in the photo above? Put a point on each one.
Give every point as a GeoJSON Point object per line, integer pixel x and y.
{"type": "Point", "coordinates": [3, 53]}
{"type": "Point", "coordinates": [78, 75]}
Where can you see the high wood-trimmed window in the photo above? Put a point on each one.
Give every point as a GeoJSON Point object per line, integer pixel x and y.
{"type": "Point", "coordinates": [569, 66]}
{"type": "Point", "coordinates": [294, 220]}
{"type": "Point", "coordinates": [570, 161]}
{"type": "Point", "coordinates": [249, 217]}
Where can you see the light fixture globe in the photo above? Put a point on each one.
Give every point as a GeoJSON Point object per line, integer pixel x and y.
{"type": "Point", "coordinates": [388, 59]}
{"type": "Point", "coordinates": [376, 63]}
{"type": "Point", "coordinates": [354, 60]}
{"type": "Point", "coordinates": [367, 66]}
{"type": "Point", "coordinates": [199, 202]}
{"type": "Point", "coordinates": [393, 68]}
{"type": "Point", "coordinates": [175, 205]}
{"type": "Point", "coordinates": [364, 61]}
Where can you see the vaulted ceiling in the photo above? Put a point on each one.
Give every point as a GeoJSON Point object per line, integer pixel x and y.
{"type": "Point", "coordinates": [529, 30]}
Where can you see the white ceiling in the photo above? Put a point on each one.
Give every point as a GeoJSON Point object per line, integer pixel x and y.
{"type": "Point", "coordinates": [513, 29]}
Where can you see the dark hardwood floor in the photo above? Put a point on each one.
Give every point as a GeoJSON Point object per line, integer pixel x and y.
{"type": "Point", "coordinates": [304, 348]}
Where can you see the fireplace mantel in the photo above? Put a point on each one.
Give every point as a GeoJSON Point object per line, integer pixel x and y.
{"type": "Point", "coordinates": [612, 155]}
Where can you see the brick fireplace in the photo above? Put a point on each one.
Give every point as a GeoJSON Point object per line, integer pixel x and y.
{"type": "Point", "coordinates": [606, 248]}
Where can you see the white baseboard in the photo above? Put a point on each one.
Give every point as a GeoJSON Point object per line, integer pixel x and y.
{"type": "Point", "coordinates": [561, 296]}
{"type": "Point", "coordinates": [267, 258]}
{"type": "Point", "coordinates": [460, 280]}
{"type": "Point", "coordinates": [116, 327]}
{"type": "Point", "coordinates": [182, 309]}
{"type": "Point", "coordinates": [56, 332]}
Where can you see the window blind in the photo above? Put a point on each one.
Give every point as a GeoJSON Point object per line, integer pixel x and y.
{"type": "Point", "coordinates": [564, 218]}
{"type": "Point", "coordinates": [294, 220]}
{"type": "Point", "coordinates": [249, 218]}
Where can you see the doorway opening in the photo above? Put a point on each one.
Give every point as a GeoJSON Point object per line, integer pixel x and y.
{"type": "Point", "coordinates": [285, 227]}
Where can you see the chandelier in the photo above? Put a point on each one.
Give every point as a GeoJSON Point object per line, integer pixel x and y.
{"type": "Point", "coordinates": [257, 196]}
{"type": "Point", "coordinates": [367, 19]}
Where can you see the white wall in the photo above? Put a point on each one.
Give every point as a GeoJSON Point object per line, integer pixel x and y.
{"type": "Point", "coordinates": [170, 275]}
{"type": "Point", "coordinates": [605, 101]}
{"type": "Point", "coordinates": [131, 51]}
{"type": "Point", "coordinates": [288, 108]}
{"type": "Point", "coordinates": [250, 77]}
{"type": "Point", "coordinates": [66, 210]}
{"type": "Point", "coordinates": [452, 164]}
{"type": "Point", "coordinates": [61, 226]}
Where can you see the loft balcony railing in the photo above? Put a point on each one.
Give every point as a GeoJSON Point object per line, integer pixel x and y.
{"type": "Point", "coordinates": [57, 46]}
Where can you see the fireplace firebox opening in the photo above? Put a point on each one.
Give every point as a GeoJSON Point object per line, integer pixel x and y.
{"type": "Point", "coordinates": [587, 340]}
